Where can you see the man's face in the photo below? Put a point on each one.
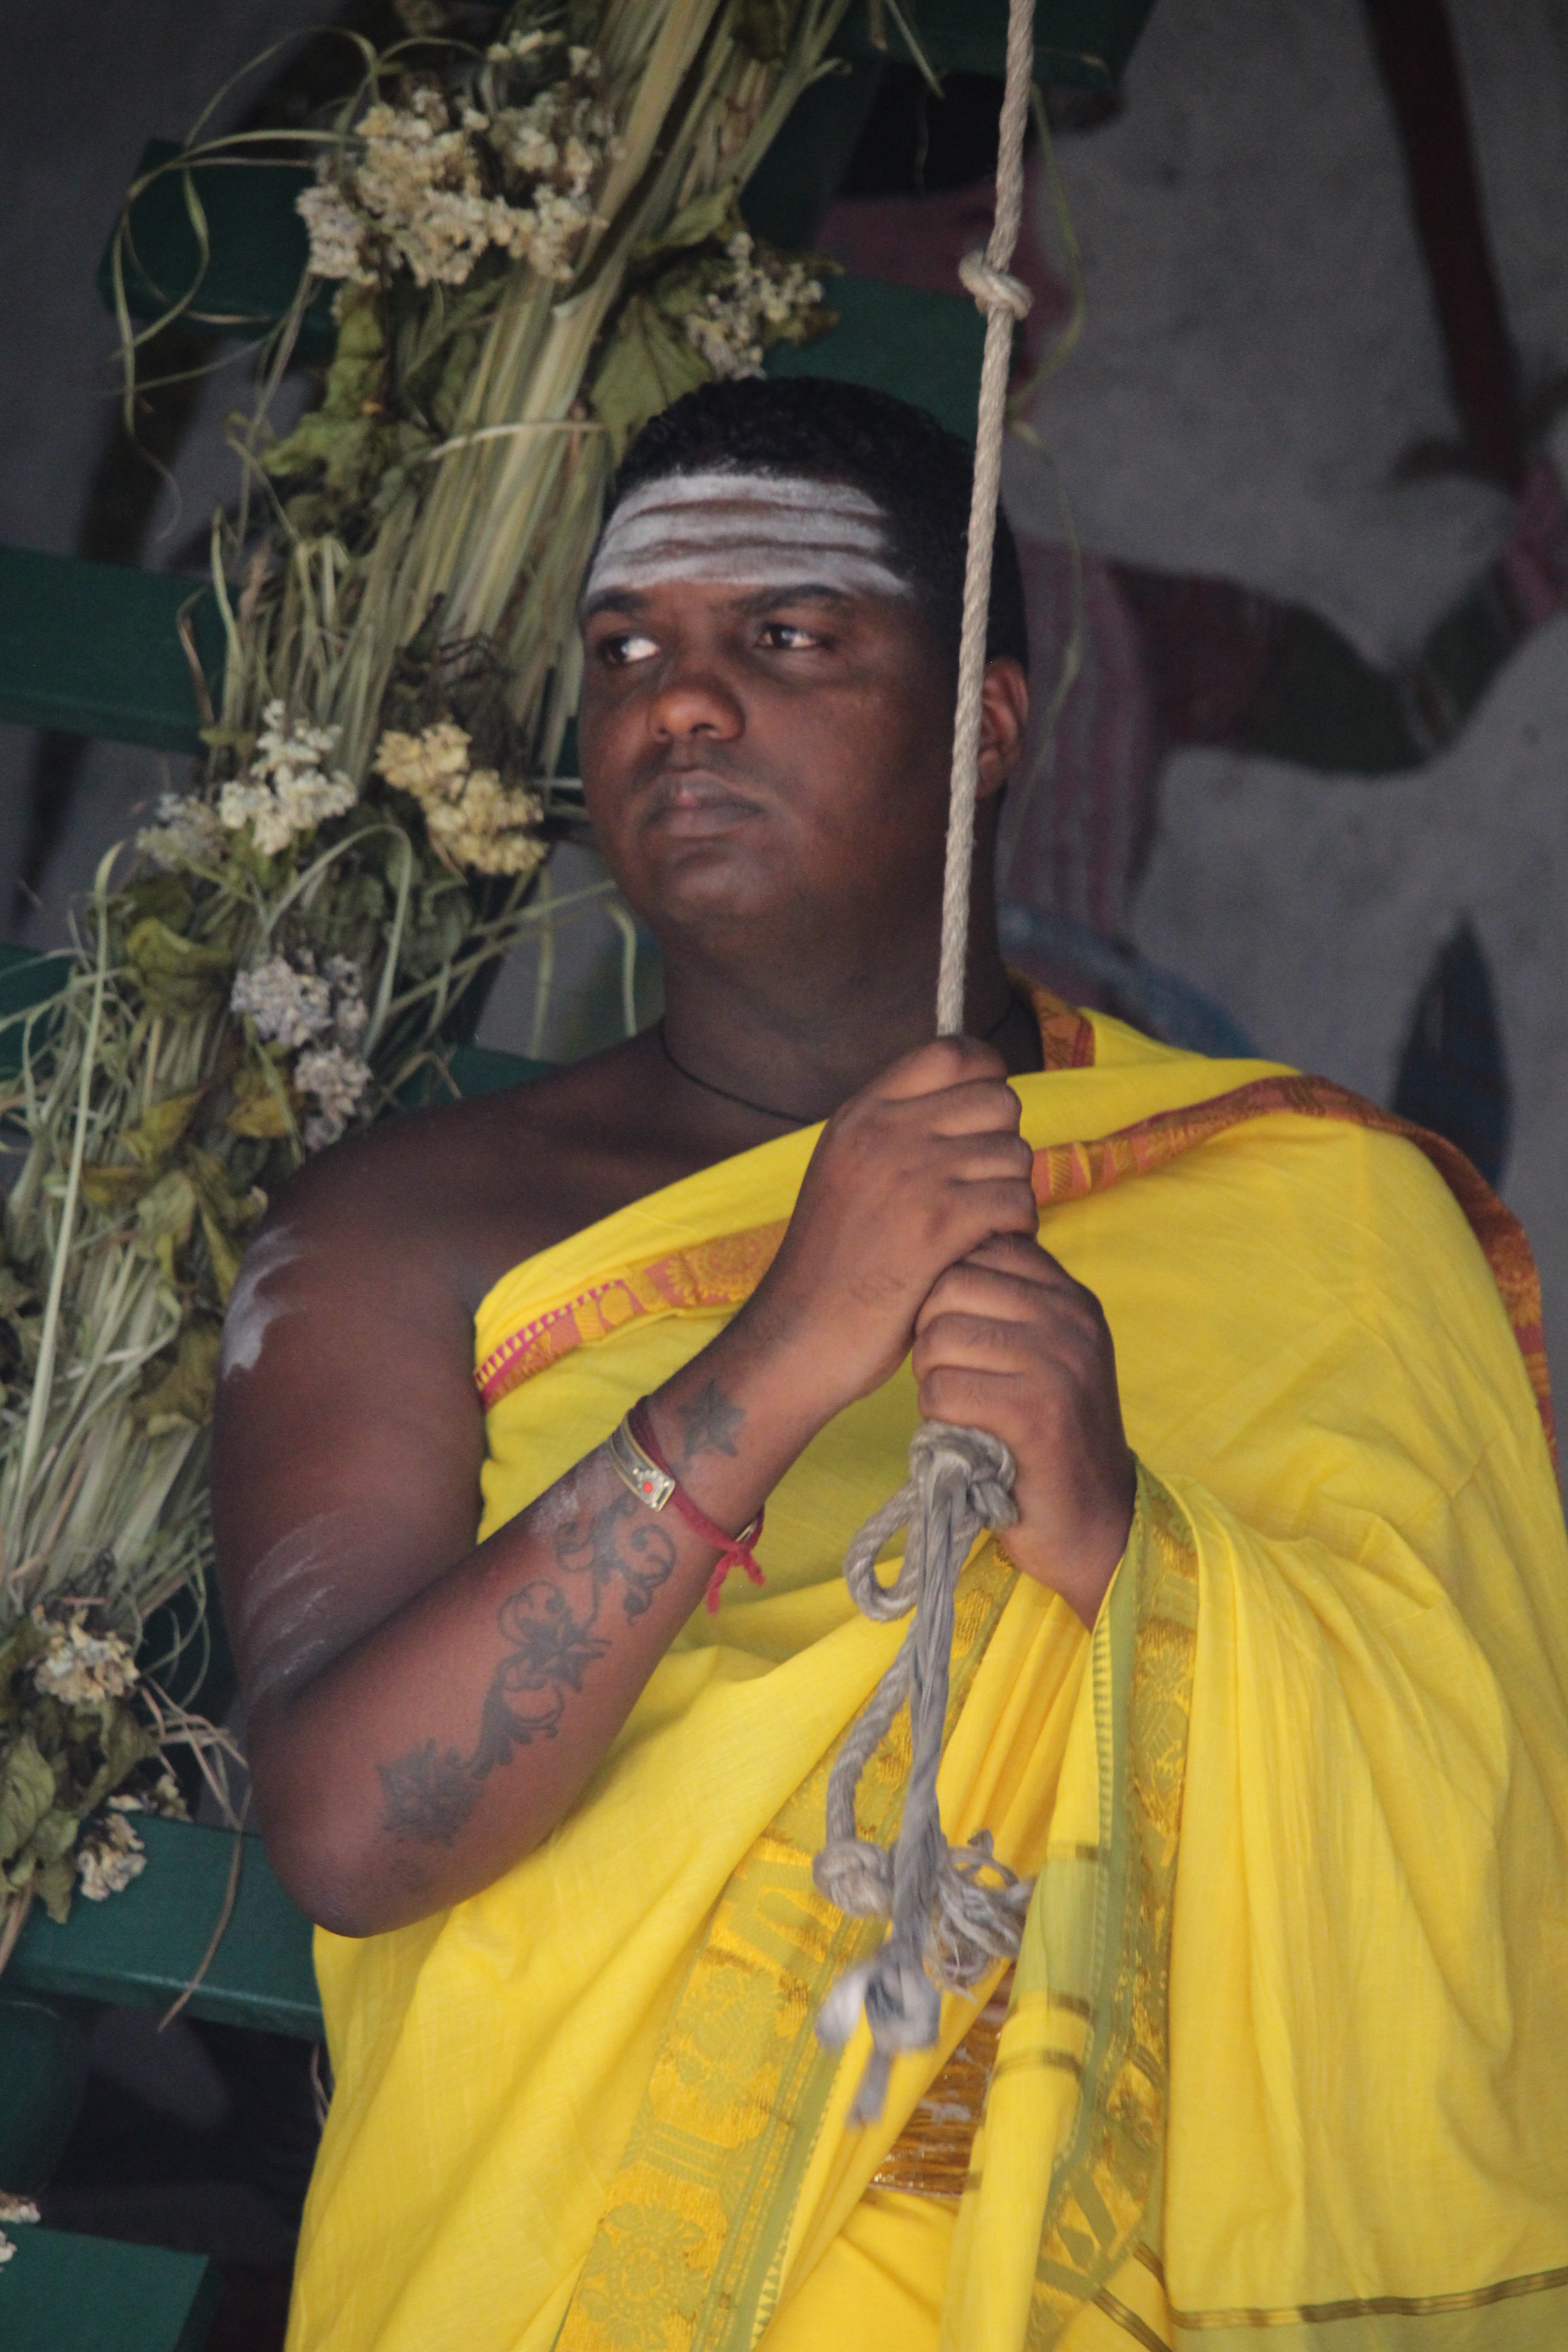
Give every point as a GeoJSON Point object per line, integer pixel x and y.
{"type": "Point", "coordinates": [770, 746]}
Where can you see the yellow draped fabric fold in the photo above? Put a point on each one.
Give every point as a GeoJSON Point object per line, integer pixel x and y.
{"type": "Point", "coordinates": [1286, 2059]}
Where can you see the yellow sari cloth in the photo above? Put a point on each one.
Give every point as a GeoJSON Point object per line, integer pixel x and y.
{"type": "Point", "coordinates": [1286, 2061]}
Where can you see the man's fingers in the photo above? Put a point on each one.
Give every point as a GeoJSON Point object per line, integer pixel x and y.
{"type": "Point", "coordinates": [974, 1343]}
{"type": "Point", "coordinates": [1009, 1279]}
{"type": "Point", "coordinates": [991, 1154]}
{"type": "Point", "coordinates": [979, 1104]}
{"type": "Point", "coordinates": [995, 1204]}
{"type": "Point", "coordinates": [1021, 1255]}
{"type": "Point", "coordinates": [946, 1062]}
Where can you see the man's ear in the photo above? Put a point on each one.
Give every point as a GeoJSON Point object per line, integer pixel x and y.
{"type": "Point", "coordinates": [1003, 717]}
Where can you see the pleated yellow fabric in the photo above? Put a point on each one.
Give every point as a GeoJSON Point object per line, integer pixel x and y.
{"type": "Point", "coordinates": [1286, 2061]}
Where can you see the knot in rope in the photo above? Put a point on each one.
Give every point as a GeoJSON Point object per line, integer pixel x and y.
{"type": "Point", "coordinates": [954, 1911]}
{"type": "Point", "coordinates": [994, 289]}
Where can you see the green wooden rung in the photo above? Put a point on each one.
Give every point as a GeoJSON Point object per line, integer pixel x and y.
{"type": "Point", "coordinates": [95, 648]}
{"type": "Point", "coordinates": [1086, 43]}
{"type": "Point", "coordinates": [257, 247]}
{"type": "Point", "coordinates": [899, 339]}
{"type": "Point", "coordinates": [482, 1070]}
{"type": "Point", "coordinates": [63, 2292]}
{"type": "Point", "coordinates": [26, 979]}
{"type": "Point", "coordinates": [141, 1947]}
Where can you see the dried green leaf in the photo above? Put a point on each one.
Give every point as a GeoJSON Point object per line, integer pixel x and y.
{"type": "Point", "coordinates": [705, 217]}
{"type": "Point", "coordinates": [260, 1103]}
{"type": "Point", "coordinates": [164, 1217]}
{"type": "Point", "coordinates": [166, 896]}
{"type": "Point", "coordinates": [179, 978]}
{"type": "Point", "coordinates": [765, 27]}
{"type": "Point", "coordinates": [123, 1742]}
{"type": "Point", "coordinates": [113, 1186]}
{"type": "Point", "coordinates": [183, 1397]}
{"type": "Point", "coordinates": [54, 1886]}
{"type": "Point", "coordinates": [55, 1834]}
{"type": "Point", "coordinates": [225, 1255]}
{"type": "Point", "coordinates": [227, 1216]}
{"type": "Point", "coordinates": [650, 363]}
{"type": "Point", "coordinates": [26, 1793]}
{"type": "Point", "coordinates": [25, 1641]}
{"type": "Point", "coordinates": [235, 1210]}
{"type": "Point", "coordinates": [161, 1128]}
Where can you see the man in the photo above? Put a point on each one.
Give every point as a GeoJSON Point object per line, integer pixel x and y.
{"type": "Point", "coordinates": [1267, 1685]}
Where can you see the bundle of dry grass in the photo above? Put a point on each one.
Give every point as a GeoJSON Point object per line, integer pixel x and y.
{"type": "Point", "coordinates": [536, 244]}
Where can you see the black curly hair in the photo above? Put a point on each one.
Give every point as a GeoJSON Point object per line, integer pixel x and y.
{"type": "Point", "coordinates": [917, 473]}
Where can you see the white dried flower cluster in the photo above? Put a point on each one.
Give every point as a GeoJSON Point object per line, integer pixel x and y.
{"type": "Point", "coordinates": [472, 818]}
{"type": "Point", "coordinates": [727, 325]}
{"type": "Point", "coordinates": [288, 790]}
{"type": "Point", "coordinates": [15, 2211]}
{"type": "Point", "coordinates": [109, 1856]}
{"type": "Point", "coordinates": [335, 1081]}
{"type": "Point", "coordinates": [559, 140]}
{"type": "Point", "coordinates": [408, 191]}
{"type": "Point", "coordinates": [163, 1797]}
{"type": "Point", "coordinates": [295, 1005]}
{"type": "Point", "coordinates": [188, 833]}
{"type": "Point", "coordinates": [79, 1668]}
{"type": "Point", "coordinates": [288, 1006]}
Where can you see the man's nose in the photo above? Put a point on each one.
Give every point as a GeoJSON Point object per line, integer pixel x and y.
{"type": "Point", "coordinates": [695, 699]}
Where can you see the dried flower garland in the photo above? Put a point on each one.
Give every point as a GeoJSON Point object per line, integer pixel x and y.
{"type": "Point", "coordinates": [535, 245]}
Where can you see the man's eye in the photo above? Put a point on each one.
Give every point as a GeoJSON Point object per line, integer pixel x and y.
{"type": "Point", "coordinates": [628, 645]}
{"type": "Point", "coordinates": [787, 637]}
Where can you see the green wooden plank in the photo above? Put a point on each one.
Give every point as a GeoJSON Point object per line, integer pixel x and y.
{"type": "Point", "coordinates": [26, 979]}
{"type": "Point", "coordinates": [141, 1947]}
{"type": "Point", "coordinates": [43, 2075]}
{"type": "Point", "coordinates": [481, 1070]}
{"type": "Point", "coordinates": [257, 247]}
{"type": "Point", "coordinates": [1086, 43]}
{"type": "Point", "coordinates": [924, 347]}
{"type": "Point", "coordinates": [95, 648]}
{"type": "Point", "coordinates": [63, 2292]}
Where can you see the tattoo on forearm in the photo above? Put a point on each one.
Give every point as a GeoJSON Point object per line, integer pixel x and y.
{"type": "Point", "coordinates": [551, 1630]}
{"type": "Point", "coordinates": [710, 1421]}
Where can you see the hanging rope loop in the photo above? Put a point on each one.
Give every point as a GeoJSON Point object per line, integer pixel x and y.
{"type": "Point", "coordinates": [954, 1911]}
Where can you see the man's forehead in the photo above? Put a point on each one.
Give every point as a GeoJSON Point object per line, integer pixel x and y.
{"type": "Point", "coordinates": [744, 531]}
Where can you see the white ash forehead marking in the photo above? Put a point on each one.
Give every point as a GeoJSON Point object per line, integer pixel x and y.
{"type": "Point", "coordinates": [249, 1312]}
{"type": "Point", "coordinates": [755, 565]}
{"type": "Point", "coordinates": [741, 526]}
{"type": "Point", "coordinates": [794, 491]}
{"type": "Point", "coordinates": [746, 530]}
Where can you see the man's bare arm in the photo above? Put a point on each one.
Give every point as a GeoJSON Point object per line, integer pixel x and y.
{"type": "Point", "coordinates": [424, 1711]}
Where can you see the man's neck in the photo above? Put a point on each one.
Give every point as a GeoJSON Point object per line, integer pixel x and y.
{"type": "Point", "coordinates": [800, 1042]}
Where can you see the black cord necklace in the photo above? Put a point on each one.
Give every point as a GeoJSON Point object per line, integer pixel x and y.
{"type": "Point", "coordinates": [768, 1110]}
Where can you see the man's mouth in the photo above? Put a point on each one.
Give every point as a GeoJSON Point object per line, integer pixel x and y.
{"type": "Point", "coordinates": [694, 805]}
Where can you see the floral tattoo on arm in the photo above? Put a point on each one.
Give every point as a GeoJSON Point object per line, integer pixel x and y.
{"type": "Point", "coordinates": [554, 1630]}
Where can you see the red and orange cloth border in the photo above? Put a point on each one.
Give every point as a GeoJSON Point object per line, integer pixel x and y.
{"type": "Point", "coordinates": [724, 1272]}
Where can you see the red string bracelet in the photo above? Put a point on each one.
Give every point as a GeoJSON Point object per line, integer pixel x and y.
{"type": "Point", "coordinates": [734, 1551]}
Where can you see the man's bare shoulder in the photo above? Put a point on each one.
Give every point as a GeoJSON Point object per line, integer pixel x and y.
{"type": "Point", "coordinates": [457, 1193]}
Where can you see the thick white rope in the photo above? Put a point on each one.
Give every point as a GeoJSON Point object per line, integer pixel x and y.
{"type": "Point", "coordinates": [1005, 300]}
{"type": "Point", "coordinates": [948, 1922]}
